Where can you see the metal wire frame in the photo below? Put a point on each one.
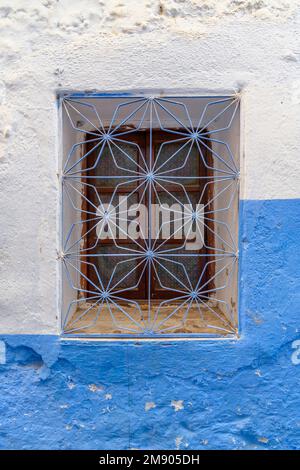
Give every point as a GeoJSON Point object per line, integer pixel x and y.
{"type": "Point", "coordinates": [208, 131]}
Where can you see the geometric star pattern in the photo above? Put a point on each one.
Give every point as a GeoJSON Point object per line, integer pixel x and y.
{"type": "Point", "coordinates": [180, 154]}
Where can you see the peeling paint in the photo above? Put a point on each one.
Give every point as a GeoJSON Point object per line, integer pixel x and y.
{"type": "Point", "coordinates": [177, 405]}
{"type": "Point", "coordinates": [264, 440]}
{"type": "Point", "coordinates": [95, 388]}
{"type": "Point", "coordinates": [178, 442]}
{"type": "Point", "coordinates": [71, 385]}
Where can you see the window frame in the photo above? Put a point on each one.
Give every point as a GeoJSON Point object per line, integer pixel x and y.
{"type": "Point", "coordinates": [142, 138]}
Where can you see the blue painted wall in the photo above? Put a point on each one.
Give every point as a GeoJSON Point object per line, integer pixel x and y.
{"type": "Point", "coordinates": [228, 394]}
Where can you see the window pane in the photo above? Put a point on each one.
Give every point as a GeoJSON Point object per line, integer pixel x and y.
{"type": "Point", "coordinates": [178, 159]}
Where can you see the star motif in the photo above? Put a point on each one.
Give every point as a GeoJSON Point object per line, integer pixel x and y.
{"type": "Point", "coordinates": [106, 147]}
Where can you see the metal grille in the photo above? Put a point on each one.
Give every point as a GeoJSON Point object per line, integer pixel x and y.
{"type": "Point", "coordinates": [149, 210]}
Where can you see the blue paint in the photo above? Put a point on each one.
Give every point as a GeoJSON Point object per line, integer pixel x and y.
{"type": "Point", "coordinates": [241, 394]}
{"type": "Point", "coordinates": [91, 94]}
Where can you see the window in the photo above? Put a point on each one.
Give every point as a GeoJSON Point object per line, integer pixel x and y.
{"type": "Point", "coordinates": [149, 215]}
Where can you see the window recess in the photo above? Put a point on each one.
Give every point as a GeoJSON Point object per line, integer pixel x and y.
{"type": "Point", "coordinates": [149, 215]}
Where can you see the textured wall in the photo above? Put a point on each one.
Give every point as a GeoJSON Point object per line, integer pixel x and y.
{"type": "Point", "coordinates": [187, 394]}
{"type": "Point", "coordinates": [214, 394]}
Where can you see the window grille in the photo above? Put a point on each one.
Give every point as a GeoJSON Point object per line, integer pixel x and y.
{"type": "Point", "coordinates": [149, 206]}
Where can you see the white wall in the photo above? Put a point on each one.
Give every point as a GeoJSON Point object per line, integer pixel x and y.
{"type": "Point", "coordinates": [50, 45]}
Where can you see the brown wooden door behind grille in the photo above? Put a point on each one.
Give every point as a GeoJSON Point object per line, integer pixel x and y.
{"type": "Point", "coordinates": [104, 189]}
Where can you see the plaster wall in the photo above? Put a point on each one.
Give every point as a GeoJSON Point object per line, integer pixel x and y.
{"type": "Point", "coordinates": [46, 46]}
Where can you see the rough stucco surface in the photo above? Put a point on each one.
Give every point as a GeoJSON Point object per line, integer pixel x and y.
{"type": "Point", "coordinates": [241, 394]}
